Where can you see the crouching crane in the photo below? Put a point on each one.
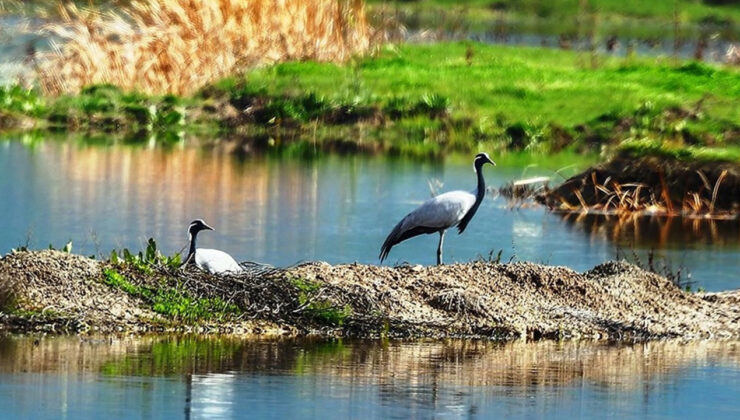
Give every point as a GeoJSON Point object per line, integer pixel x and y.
{"type": "Point", "coordinates": [210, 260]}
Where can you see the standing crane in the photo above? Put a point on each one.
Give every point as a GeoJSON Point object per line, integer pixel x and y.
{"type": "Point", "coordinates": [454, 208]}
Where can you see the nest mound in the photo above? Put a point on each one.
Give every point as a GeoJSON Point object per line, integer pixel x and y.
{"type": "Point", "coordinates": [64, 292]}
{"type": "Point", "coordinates": [614, 300]}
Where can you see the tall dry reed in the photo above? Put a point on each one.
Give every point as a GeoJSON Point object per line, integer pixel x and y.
{"type": "Point", "coordinates": [172, 46]}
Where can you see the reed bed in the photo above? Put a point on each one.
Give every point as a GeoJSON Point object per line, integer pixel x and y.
{"type": "Point", "coordinates": [612, 197]}
{"type": "Point", "coordinates": [171, 46]}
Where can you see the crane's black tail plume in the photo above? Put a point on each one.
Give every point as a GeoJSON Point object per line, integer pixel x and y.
{"type": "Point", "coordinates": [390, 240]}
{"type": "Point", "coordinates": [399, 234]}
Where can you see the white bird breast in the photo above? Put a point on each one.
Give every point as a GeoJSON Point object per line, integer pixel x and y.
{"type": "Point", "coordinates": [215, 261]}
{"type": "Point", "coordinates": [442, 211]}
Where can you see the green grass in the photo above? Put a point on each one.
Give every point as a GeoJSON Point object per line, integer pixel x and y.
{"type": "Point", "coordinates": [517, 98]}
{"type": "Point", "coordinates": [689, 10]}
{"type": "Point", "coordinates": [20, 100]}
{"type": "Point", "coordinates": [562, 9]}
{"type": "Point", "coordinates": [517, 84]}
{"type": "Point", "coordinates": [322, 310]}
{"type": "Point", "coordinates": [652, 147]}
{"type": "Point", "coordinates": [428, 101]}
{"type": "Point", "coordinates": [631, 18]}
{"type": "Point", "coordinates": [174, 303]}
{"type": "Point", "coordinates": [102, 108]}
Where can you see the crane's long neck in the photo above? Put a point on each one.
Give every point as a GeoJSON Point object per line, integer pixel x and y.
{"type": "Point", "coordinates": [191, 252]}
{"type": "Point", "coordinates": [480, 192]}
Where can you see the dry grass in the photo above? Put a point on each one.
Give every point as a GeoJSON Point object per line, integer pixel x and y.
{"type": "Point", "coordinates": [170, 46]}
{"type": "Point", "coordinates": [612, 197]}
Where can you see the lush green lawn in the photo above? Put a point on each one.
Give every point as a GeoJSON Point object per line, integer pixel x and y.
{"type": "Point", "coordinates": [427, 100]}
{"type": "Point", "coordinates": [511, 83]}
{"type": "Point", "coordinates": [648, 21]}
{"type": "Point", "coordinates": [561, 15]}
{"type": "Point", "coordinates": [694, 10]}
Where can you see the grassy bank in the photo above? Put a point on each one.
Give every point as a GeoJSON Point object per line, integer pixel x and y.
{"type": "Point", "coordinates": [690, 19]}
{"type": "Point", "coordinates": [426, 100]}
{"type": "Point", "coordinates": [692, 10]}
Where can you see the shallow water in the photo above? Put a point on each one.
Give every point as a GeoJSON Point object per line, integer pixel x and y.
{"type": "Point", "coordinates": [336, 209]}
{"type": "Point", "coordinates": [68, 377]}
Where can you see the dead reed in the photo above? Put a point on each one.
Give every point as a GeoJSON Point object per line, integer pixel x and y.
{"type": "Point", "coordinates": [612, 197]}
{"type": "Point", "coordinates": [178, 46]}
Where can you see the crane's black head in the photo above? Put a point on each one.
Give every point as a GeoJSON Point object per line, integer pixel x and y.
{"type": "Point", "coordinates": [197, 225]}
{"type": "Point", "coordinates": [481, 159]}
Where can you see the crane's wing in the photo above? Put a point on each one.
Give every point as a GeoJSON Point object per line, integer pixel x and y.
{"type": "Point", "coordinates": [435, 214]}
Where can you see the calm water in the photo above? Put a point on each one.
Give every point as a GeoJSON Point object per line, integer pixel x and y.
{"type": "Point", "coordinates": [336, 209]}
{"type": "Point", "coordinates": [173, 377]}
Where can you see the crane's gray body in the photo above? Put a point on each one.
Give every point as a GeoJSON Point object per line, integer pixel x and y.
{"type": "Point", "coordinates": [442, 211]}
{"type": "Point", "coordinates": [215, 261]}
{"type": "Point", "coordinates": [454, 208]}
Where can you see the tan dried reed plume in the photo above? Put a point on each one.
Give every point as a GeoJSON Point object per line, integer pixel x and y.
{"type": "Point", "coordinates": [171, 46]}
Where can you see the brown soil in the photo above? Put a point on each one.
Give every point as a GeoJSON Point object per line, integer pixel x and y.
{"type": "Point", "coordinates": [615, 300]}
{"type": "Point", "coordinates": [669, 184]}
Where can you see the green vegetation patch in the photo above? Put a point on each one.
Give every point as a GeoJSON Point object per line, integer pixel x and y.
{"type": "Point", "coordinates": [174, 302]}
{"type": "Point", "coordinates": [20, 100]}
{"type": "Point", "coordinates": [628, 18]}
{"type": "Point", "coordinates": [506, 98]}
{"type": "Point", "coordinates": [426, 101]}
{"type": "Point", "coordinates": [653, 147]}
{"type": "Point", "coordinates": [148, 260]}
{"type": "Point", "coordinates": [322, 310]}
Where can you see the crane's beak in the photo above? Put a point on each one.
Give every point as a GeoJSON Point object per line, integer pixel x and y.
{"type": "Point", "coordinates": [491, 162]}
{"type": "Point", "coordinates": [206, 227]}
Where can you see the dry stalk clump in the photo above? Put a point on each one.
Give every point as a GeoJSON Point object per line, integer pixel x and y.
{"type": "Point", "coordinates": [650, 186]}
{"type": "Point", "coordinates": [177, 46]}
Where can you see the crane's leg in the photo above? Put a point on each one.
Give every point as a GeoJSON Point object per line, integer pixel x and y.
{"type": "Point", "coordinates": [439, 248]}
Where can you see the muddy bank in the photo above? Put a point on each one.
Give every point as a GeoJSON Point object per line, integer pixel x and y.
{"type": "Point", "coordinates": [54, 291]}
{"type": "Point", "coordinates": [652, 184]}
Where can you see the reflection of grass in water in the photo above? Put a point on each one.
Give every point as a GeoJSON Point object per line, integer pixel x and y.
{"type": "Point", "coordinates": [319, 352]}
{"type": "Point", "coordinates": [197, 354]}
{"type": "Point", "coordinates": [517, 365]}
{"type": "Point", "coordinates": [174, 356]}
